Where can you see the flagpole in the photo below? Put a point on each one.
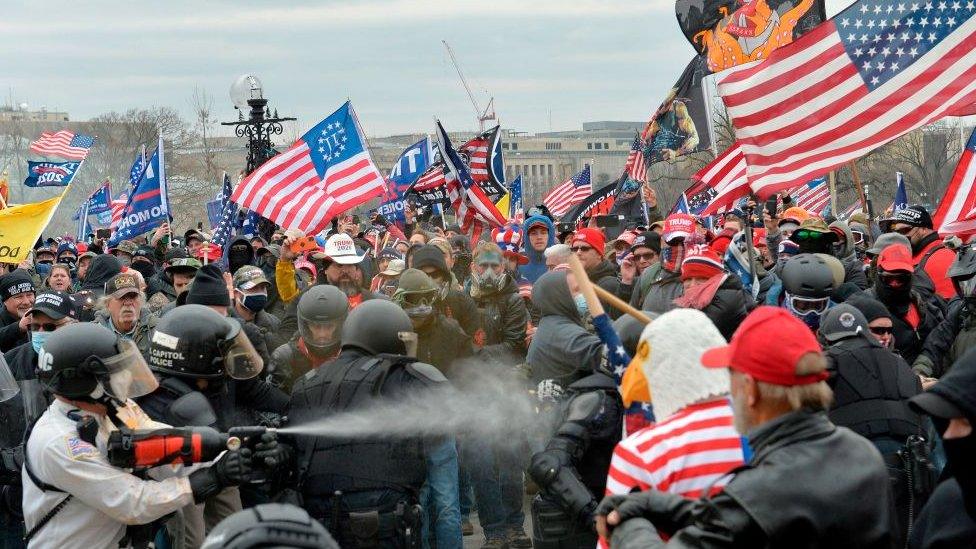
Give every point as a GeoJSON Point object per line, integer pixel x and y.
{"type": "Point", "coordinates": [832, 179]}
{"type": "Point", "coordinates": [860, 188]}
{"type": "Point", "coordinates": [750, 249]}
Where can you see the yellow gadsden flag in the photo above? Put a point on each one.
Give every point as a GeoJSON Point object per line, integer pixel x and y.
{"type": "Point", "coordinates": [20, 226]}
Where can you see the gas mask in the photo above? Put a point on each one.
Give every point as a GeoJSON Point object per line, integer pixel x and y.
{"type": "Point", "coordinates": [489, 280]}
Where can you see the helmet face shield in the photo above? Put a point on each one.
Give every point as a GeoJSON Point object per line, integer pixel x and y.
{"type": "Point", "coordinates": [321, 335]}
{"type": "Point", "coordinates": [8, 385]}
{"type": "Point", "coordinates": [128, 374]}
{"type": "Point", "coordinates": [241, 361]}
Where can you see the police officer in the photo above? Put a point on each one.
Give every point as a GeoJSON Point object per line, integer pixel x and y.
{"type": "Point", "coordinates": [871, 387]}
{"type": "Point", "coordinates": [73, 497]}
{"type": "Point", "coordinates": [270, 525]}
{"type": "Point", "coordinates": [195, 350]}
{"type": "Point", "coordinates": [321, 312]}
{"type": "Point", "coordinates": [365, 490]}
{"type": "Point", "coordinates": [571, 471]}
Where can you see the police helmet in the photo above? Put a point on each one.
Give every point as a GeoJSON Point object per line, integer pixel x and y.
{"type": "Point", "coordinates": [269, 525]}
{"type": "Point", "coordinates": [322, 310]}
{"type": "Point", "coordinates": [379, 327]}
{"type": "Point", "coordinates": [196, 342]}
{"type": "Point", "coordinates": [86, 361]}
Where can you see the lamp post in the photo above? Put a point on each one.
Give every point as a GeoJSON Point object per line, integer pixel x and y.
{"type": "Point", "coordinates": [261, 124]}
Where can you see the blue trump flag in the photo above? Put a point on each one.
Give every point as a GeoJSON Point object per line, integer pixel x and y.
{"type": "Point", "coordinates": [901, 195]}
{"type": "Point", "coordinates": [139, 166]}
{"type": "Point", "coordinates": [99, 201]}
{"type": "Point", "coordinates": [147, 206]}
{"type": "Point", "coordinates": [215, 208]}
{"type": "Point", "coordinates": [50, 174]}
{"type": "Point", "coordinates": [412, 163]}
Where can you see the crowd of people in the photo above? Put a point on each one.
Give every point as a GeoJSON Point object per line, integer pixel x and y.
{"type": "Point", "coordinates": [801, 382]}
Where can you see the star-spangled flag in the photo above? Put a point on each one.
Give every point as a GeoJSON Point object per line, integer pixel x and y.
{"type": "Point", "coordinates": [812, 196]}
{"type": "Point", "coordinates": [956, 213]}
{"type": "Point", "coordinates": [873, 73]}
{"type": "Point", "coordinates": [325, 173]}
{"type": "Point", "coordinates": [215, 208]}
{"type": "Point", "coordinates": [249, 223]}
{"type": "Point", "coordinates": [569, 193]}
{"type": "Point", "coordinates": [727, 176]}
{"type": "Point", "coordinates": [470, 202]}
{"type": "Point", "coordinates": [99, 201]}
{"type": "Point", "coordinates": [138, 166]}
{"type": "Point", "coordinates": [226, 225]}
{"type": "Point", "coordinates": [635, 167]}
{"type": "Point", "coordinates": [515, 211]}
{"type": "Point", "coordinates": [118, 206]}
{"type": "Point", "coordinates": [63, 144]}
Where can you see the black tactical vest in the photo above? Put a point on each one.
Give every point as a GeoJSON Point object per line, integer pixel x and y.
{"type": "Point", "coordinates": [871, 391]}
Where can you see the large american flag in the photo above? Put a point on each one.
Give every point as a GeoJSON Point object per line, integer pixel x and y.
{"type": "Point", "coordinates": [956, 213]}
{"type": "Point", "coordinates": [118, 206]}
{"type": "Point", "coordinates": [635, 166]}
{"type": "Point", "coordinates": [325, 173]}
{"type": "Point", "coordinates": [569, 193]}
{"type": "Point", "coordinates": [473, 207]}
{"type": "Point", "coordinates": [876, 71]}
{"type": "Point", "coordinates": [63, 144]}
{"type": "Point", "coordinates": [812, 196]}
{"type": "Point", "coordinates": [727, 176]}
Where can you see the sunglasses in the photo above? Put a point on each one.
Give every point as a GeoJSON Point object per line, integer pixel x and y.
{"type": "Point", "coordinates": [882, 330]}
{"type": "Point", "coordinates": [578, 249]}
{"type": "Point", "coordinates": [45, 327]}
{"type": "Point", "coordinates": [904, 230]}
{"type": "Point", "coordinates": [804, 234]}
{"type": "Point", "coordinates": [895, 280]}
{"type": "Point", "coordinates": [649, 256]}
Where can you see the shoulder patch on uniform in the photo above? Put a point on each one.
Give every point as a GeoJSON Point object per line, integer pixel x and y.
{"type": "Point", "coordinates": [79, 449]}
{"type": "Point", "coordinates": [426, 372]}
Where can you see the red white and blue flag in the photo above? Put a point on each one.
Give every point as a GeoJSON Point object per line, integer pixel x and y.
{"type": "Point", "coordinates": [569, 193]}
{"type": "Point", "coordinates": [325, 173]}
{"type": "Point", "coordinates": [147, 206]}
{"type": "Point", "coordinates": [635, 166]}
{"type": "Point", "coordinates": [473, 206]}
{"type": "Point", "coordinates": [63, 144]}
{"type": "Point", "coordinates": [726, 175]}
{"type": "Point", "coordinates": [812, 196]}
{"type": "Point", "coordinates": [873, 73]}
{"type": "Point", "coordinates": [956, 213]}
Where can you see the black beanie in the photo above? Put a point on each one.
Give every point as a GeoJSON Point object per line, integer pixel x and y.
{"type": "Point", "coordinates": [15, 282]}
{"type": "Point", "coordinates": [208, 287]}
{"type": "Point", "coordinates": [429, 256]}
{"type": "Point", "coordinates": [872, 308]}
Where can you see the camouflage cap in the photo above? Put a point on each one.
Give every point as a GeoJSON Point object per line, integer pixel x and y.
{"type": "Point", "coordinates": [121, 285]}
{"type": "Point", "coordinates": [815, 224]}
{"type": "Point", "coordinates": [126, 246]}
{"type": "Point", "coordinates": [249, 276]}
{"type": "Point", "coordinates": [183, 265]}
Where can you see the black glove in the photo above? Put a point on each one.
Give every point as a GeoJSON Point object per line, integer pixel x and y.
{"type": "Point", "coordinates": [232, 469]}
{"type": "Point", "coordinates": [268, 453]}
{"type": "Point", "coordinates": [628, 506]}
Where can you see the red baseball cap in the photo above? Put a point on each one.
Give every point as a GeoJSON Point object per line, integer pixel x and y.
{"type": "Point", "coordinates": [895, 257]}
{"type": "Point", "coordinates": [767, 346]}
{"type": "Point", "coordinates": [593, 238]}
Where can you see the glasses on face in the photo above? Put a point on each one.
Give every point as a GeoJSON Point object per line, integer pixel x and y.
{"type": "Point", "coordinates": [581, 249]}
{"type": "Point", "coordinates": [895, 280]}
{"type": "Point", "coordinates": [881, 330]}
{"type": "Point", "coordinates": [649, 256]}
{"type": "Point", "coordinates": [903, 230]}
{"type": "Point", "coordinates": [43, 327]}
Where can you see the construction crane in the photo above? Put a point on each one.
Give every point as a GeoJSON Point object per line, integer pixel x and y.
{"type": "Point", "coordinates": [483, 115]}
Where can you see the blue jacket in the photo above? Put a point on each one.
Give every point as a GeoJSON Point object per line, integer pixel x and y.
{"type": "Point", "coordinates": [536, 266]}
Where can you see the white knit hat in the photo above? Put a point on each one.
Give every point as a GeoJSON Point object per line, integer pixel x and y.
{"type": "Point", "coordinates": [675, 342]}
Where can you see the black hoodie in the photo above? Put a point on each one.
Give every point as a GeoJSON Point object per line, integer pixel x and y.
{"type": "Point", "coordinates": [101, 270]}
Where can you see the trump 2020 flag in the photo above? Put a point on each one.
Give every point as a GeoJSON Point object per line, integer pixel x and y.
{"type": "Point", "coordinates": [147, 206]}
{"type": "Point", "coordinates": [323, 174]}
{"type": "Point", "coordinates": [99, 201]}
{"type": "Point", "coordinates": [412, 162]}
{"type": "Point", "coordinates": [50, 174]}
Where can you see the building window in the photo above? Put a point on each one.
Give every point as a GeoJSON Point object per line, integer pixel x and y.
{"type": "Point", "coordinates": [589, 146]}
{"type": "Point", "coordinates": [514, 146]}
{"type": "Point", "coordinates": [504, 145]}
{"type": "Point", "coordinates": [549, 169]}
{"type": "Point", "coordinates": [533, 169]}
{"type": "Point", "coordinates": [606, 146]}
{"type": "Point", "coordinates": [554, 146]}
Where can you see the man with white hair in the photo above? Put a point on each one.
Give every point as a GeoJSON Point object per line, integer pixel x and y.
{"type": "Point", "coordinates": [694, 443]}
{"type": "Point", "coordinates": [557, 257]}
{"type": "Point", "coordinates": [123, 311]}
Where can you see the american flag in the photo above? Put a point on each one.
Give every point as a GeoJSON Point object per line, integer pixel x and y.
{"type": "Point", "coordinates": [228, 214]}
{"type": "Point", "coordinates": [569, 193]}
{"type": "Point", "coordinates": [138, 166]}
{"type": "Point", "coordinates": [326, 172]}
{"type": "Point", "coordinates": [813, 196]}
{"type": "Point", "coordinates": [876, 71]}
{"type": "Point", "coordinates": [635, 166]}
{"type": "Point", "coordinates": [473, 207]}
{"type": "Point", "coordinates": [63, 144]}
{"type": "Point", "coordinates": [118, 206]}
{"type": "Point", "coordinates": [956, 213]}
{"type": "Point", "coordinates": [727, 176]}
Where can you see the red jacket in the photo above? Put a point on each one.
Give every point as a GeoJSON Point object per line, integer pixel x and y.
{"type": "Point", "coordinates": [936, 266]}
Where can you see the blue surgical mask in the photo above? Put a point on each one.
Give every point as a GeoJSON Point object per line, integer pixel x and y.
{"type": "Point", "coordinates": [37, 340]}
{"type": "Point", "coordinates": [254, 302]}
{"type": "Point", "coordinates": [581, 306]}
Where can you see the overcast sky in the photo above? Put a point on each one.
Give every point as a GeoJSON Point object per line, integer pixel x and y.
{"type": "Point", "coordinates": [564, 61]}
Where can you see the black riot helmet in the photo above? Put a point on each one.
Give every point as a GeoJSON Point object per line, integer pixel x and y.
{"type": "Point", "coordinates": [196, 342]}
{"type": "Point", "coordinates": [962, 271]}
{"type": "Point", "coordinates": [270, 525]}
{"type": "Point", "coordinates": [88, 362]}
{"type": "Point", "coordinates": [380, 327]}
{"type": "Point", "coordinates": [322, 310]}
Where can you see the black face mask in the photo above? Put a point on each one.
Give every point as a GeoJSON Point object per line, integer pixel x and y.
{"type": "Point", "coordinates": [146, 269]}
{"type": "Point", "coordinates": [897, 298]}
{"type": "Point", "coordinates": [961, 457]}
{"type": "Point", "coordinates": [816, 246]}
{"type": "Point", "coordinates": [462, 265]}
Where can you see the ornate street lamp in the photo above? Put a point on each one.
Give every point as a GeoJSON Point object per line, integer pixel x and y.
{"type": "Point", "coordinates": [258, 128]}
